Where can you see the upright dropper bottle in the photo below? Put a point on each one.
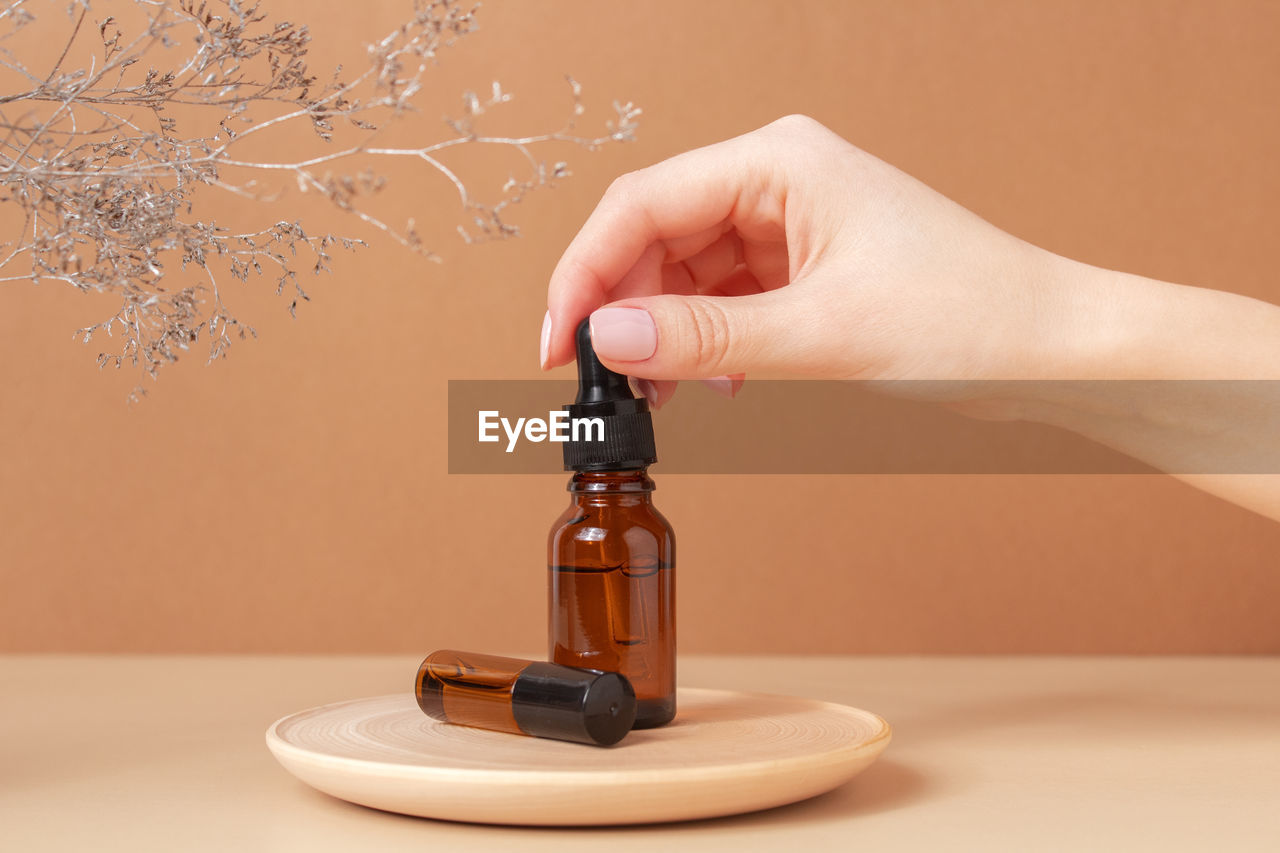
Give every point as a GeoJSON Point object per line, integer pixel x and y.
{"type": "Point", "coordinates": [611, 554]}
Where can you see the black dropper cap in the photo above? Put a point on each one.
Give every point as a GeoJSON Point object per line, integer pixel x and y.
{"type": "Point", "coordinates": [568, 703]}
{"type": "Point", "coordinates": [628, 425]}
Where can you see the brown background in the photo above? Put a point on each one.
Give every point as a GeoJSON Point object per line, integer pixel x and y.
{"type": "Point", "coordinates": [295, 496]}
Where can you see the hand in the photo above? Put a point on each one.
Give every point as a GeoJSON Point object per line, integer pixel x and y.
{"type": "Point", "coordinates": [790, 251]}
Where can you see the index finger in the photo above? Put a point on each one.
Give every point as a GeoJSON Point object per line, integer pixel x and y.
{"type": "Point", "coordinates": [681, 199]}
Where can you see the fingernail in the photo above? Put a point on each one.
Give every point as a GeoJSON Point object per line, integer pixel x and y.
{"type": "Point", "coordinates": [648, 390]}
{"type": "Point", "coordinates": [546, 340]}
{"type": "Point", "coordinates": [623, 334]}
{"type": "Point", "coordinates": [725, 386]}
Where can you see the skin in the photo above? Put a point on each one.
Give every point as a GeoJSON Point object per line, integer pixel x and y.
{"type": "Point", "coordinates": [790, 251]}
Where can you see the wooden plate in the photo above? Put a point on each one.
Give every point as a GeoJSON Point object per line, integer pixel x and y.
{"type": "Point", "coordinates": [725, 753]}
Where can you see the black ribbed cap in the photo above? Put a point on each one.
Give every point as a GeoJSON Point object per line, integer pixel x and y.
{"type": "Point", "coordinates": [628, 425]}
{"type": "Point", "coordinates": [568, 703]}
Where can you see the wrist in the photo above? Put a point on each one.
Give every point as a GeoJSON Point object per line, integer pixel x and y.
{"type": "Point", "coordinates": [1090, 323]}
{"type": "Point", "coordinates": [1115, 325]}
{"type": "Point", "coordinates": [1097, 324]}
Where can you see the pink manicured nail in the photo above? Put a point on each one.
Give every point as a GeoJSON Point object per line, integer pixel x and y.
{"type": "Point", "coordinates": [648, 390]}
{"type": "Point", "coordinates": [725, 386]}
{"type": "Point", "coordinates": [623, 334]}
{"type": "Point", "coordinates": [546, 340]}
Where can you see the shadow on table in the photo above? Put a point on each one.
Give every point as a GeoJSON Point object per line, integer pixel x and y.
{"type": "Point", "coordinates": [882, 787]}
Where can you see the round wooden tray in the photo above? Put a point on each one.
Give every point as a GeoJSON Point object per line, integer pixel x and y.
{"type": "Point", "coordinates": [725, 753]}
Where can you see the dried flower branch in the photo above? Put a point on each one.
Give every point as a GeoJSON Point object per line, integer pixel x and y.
{"type": "Point", "coordinates": [103, 179]}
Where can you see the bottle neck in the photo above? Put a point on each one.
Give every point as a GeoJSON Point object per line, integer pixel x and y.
{"type": "Point", "coordinates": [632, 485]}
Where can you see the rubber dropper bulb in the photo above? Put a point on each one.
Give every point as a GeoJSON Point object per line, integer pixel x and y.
{"type": "Point", "coordinates": [597, 383]}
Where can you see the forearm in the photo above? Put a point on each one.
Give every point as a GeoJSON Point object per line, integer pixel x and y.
{"type": "Point", "coordinates": [1223, 437]}
{"type": "Point", "coordinates": [1129, 327]}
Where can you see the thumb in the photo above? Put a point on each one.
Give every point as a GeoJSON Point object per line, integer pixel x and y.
{"type": "Point", "coordinates": [696, 337]}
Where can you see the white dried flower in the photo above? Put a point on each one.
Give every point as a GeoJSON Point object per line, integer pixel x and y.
{"type": "Point", "coordinates": [94, 158]}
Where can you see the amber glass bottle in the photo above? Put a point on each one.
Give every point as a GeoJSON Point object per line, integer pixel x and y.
{"type": "Point", "coordinates": [612, 590]}
{"type": "Point", "coordinates": [525, 697]}
{"type": "Point", "coordinates": [611, 554]}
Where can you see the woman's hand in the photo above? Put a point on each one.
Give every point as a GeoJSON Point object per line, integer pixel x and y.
{"type": "Point", "coordinates": [790, 251]}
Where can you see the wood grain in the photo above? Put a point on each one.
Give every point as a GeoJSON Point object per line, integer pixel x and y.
{"type": "Point", "coordinates": [726, 753]}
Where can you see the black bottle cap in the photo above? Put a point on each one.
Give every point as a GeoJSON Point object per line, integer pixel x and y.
{"type": "Point", "coordinates": [567, 703]}
{"type": "Point", "coordinates": [628, 426]}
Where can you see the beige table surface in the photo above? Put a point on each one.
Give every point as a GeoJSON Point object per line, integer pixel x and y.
{"type": "Point", "coordinates": [1023, 753]}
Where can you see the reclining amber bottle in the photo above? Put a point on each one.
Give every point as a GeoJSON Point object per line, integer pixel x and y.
{"type": "Point", "coordinates": [611, 554]}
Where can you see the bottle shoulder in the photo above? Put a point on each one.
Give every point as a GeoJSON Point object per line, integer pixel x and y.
{"type": "Point", "coordinates": [611, 516]}
{"type": "Point", "coordinates": [639, 527]}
